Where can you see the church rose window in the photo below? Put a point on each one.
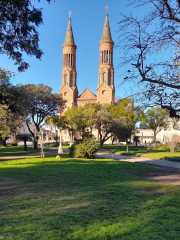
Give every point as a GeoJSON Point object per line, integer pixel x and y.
{"type": "Point", "coordinates": [103, 92]}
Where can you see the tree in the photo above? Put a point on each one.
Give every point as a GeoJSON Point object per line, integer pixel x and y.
{"type": "Point", "coordinates": [112, 120]}
{"type": "Point", "coordinates": [9, 124]}
{"type": "Point", "coordinates": [18, 30]}
{"type": "Point", "coordinates": [136, 138]}
{"type": "Point", "coordinates": [12, 98]}
{"type": "Point", "coordinates": [156, 119]}
{"type": "Point", "coordinates": [151, 53]}
{"type": "Point", "coordinates": [74, 119]}
{"type": "Point", "coordinates": [40, 103]}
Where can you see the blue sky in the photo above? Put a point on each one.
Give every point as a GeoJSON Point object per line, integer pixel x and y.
{"type": "Point", "coordinates": [87, 22]}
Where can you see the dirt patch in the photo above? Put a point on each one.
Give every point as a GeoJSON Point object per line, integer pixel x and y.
{"type": "Point", "coordinates": [162, 175]}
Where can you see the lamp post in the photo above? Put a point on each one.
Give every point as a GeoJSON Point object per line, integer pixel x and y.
{"type": "Point", "coordinates": [60, 150]}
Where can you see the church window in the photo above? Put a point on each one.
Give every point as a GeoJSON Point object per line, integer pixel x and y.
{"type": "Point", "coordinates": [109, 57]}
{"type": "Point", "coordinates": [104, 77]}
{"type": "Point", "coordinates": [65, 79]}
{"type": "Point", "coordinates": [69, 60]}
{"type": "Point", "coordinates": [103, 92]}
{"type": "Point", "coordinates": [71, 80]}
{"type": "Point", "coordinates": [109, 78]}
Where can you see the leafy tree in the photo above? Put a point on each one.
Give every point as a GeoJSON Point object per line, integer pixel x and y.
{"type": "Point", "coordinates": [156, 119]}
{"type": "Point", "coordinates": [136, 138]}
{"type": "Point", "coordinates": [151, 52]}
{"type": "Point", "coordinates": [40, 103]}
{"type": "Point", "coordinates": [112, 120]}
{"type": "Point", "coordinates": [12, 98]}
{"type": "Point", "coordinates": [73, 119]}
{"type": "Point", "coordinates": [19, 20]}
{"type": "Point", "coordinates": [9, 124]}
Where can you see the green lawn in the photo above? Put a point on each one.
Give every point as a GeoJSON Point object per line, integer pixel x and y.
{"type": "Point", "coordinates": [142, 152]}
{"type": "Point", "coordinates": [86, 200]}
{"type": "Point", "coordinates": [15, 151]}
{"type": "Point", "coordinates": [54, 145]}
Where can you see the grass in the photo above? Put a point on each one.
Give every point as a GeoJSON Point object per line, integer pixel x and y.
{"type": "Point", "coordinates": [143, 152]}
{"type": "Point", "coordinates": [15, 151]}
{"type": "Point", "coordinates": [85, 199]}
{"type": "Point", "coordinates": [54, 145]}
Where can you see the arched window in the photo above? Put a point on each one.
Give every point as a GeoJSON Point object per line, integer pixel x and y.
{"type": "Point", "coordinates": [65, 79]}
{"type": "Point", "coordinates": [71, 80]}
{"type": "Point", "coordinates": [109, 78]}
{"type": "Point", "coordinates": [104, 77]}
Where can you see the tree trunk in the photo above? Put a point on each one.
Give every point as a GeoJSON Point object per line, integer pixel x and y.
{"type": "Point", "coordinates": [127, 149]}
{"type": "Point", "coordinates": [36, 142]}
{"type": "Point", "coordinates": [101, 143]}
{"type": "Point", "coordinates": [4, 143]}
{"type": "Point", "coordinates": [25, 145]}
{"type": "Point", "coordinates": [154, 137]}
{"type": "Point", "coordinates": [136, 143]}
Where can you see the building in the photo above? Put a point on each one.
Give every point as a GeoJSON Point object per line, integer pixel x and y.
{"type": "Point", "coordinates": [172, 133]}
{"type": "Point", "coordinates": [105, 92]}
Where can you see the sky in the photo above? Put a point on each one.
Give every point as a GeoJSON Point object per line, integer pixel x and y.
{"type": "Point", "coordinates": [87, 19]}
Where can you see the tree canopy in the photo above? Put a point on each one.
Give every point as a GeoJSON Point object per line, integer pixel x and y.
{"type": "Point", "coordinates": [156, 119]}
{"type": "Point", "coordinates": [19, 20]}
{"type": "Point", "coordinates": [109, 120]}
{"type": "Point", "coordinates": [40, 103]}
{"type": "Point", "coordinates": [150, 51]}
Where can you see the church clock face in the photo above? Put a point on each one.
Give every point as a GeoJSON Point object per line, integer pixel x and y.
{"type": "Point", "coordinates": [176, 126]}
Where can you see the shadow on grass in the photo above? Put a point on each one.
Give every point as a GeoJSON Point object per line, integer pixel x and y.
{"type": "Point", "coordinates": [172, 158]}
{"type": "Point", "coordinates": [84, 199]}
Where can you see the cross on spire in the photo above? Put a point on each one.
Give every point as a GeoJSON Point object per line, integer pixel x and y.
{"type": "Point", "coordinates": [106, 9]}
{"type": "Point", "coordinates": [69, 13]}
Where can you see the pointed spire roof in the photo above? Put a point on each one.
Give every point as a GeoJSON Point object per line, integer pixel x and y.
{"type": "Point", "coordinates": [69, 40]}
{"type": "Point", "coordinates": [106, 36]}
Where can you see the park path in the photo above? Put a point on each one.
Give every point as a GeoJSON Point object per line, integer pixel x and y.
{"type": "Point", "coordinates": [149, 161]}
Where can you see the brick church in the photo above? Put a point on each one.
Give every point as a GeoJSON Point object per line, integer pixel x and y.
{"type": "Point", "coordinates": [105, 91]}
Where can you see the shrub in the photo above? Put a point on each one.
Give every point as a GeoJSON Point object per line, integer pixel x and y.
{"type": "Point", "coordinates": [159, 146]}
{"type": "Point", "coordinates": [85, 147]}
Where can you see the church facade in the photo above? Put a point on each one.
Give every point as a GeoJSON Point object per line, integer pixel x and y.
{"type": "Point", "coordinates": [105, 92]}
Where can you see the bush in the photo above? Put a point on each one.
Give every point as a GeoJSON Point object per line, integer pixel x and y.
{"type": "Point", "coordinates": [85, 147]}
{"type": "Point", "coordinates": [159, 146]}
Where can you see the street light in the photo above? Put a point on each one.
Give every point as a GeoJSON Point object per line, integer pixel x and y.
{"type": "Point", "coordinates": [60, 150]}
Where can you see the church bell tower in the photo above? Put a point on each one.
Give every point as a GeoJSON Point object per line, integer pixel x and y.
{"type": "Point", "coordinates": [106, 89]}
{"type": "Point", "coordinates": [69, 89]}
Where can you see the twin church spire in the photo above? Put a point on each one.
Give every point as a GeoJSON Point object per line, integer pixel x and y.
{"type": "Point", "coordinates": [106, 70]}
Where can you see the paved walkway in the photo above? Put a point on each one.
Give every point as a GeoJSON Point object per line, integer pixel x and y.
{"type": "Point", "coordinates": [149, 161]}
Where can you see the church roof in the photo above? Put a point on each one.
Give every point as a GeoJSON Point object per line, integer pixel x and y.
{"type": "Point", "coordinates": [69, 40]}
{"type": "Point", "coordinates": [87, 94]}
{"type": "Point", "coordinates": [106, 36]}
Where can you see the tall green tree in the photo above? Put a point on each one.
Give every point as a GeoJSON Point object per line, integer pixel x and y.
{"type": "Point", "coordinates": [19, 20]}
{"type": "Point", "coordinates": [156, 119]}
{"type": "Point", "coordinates": [9, 124]}
{"type": "Point", "coordinates": [40, 103]}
